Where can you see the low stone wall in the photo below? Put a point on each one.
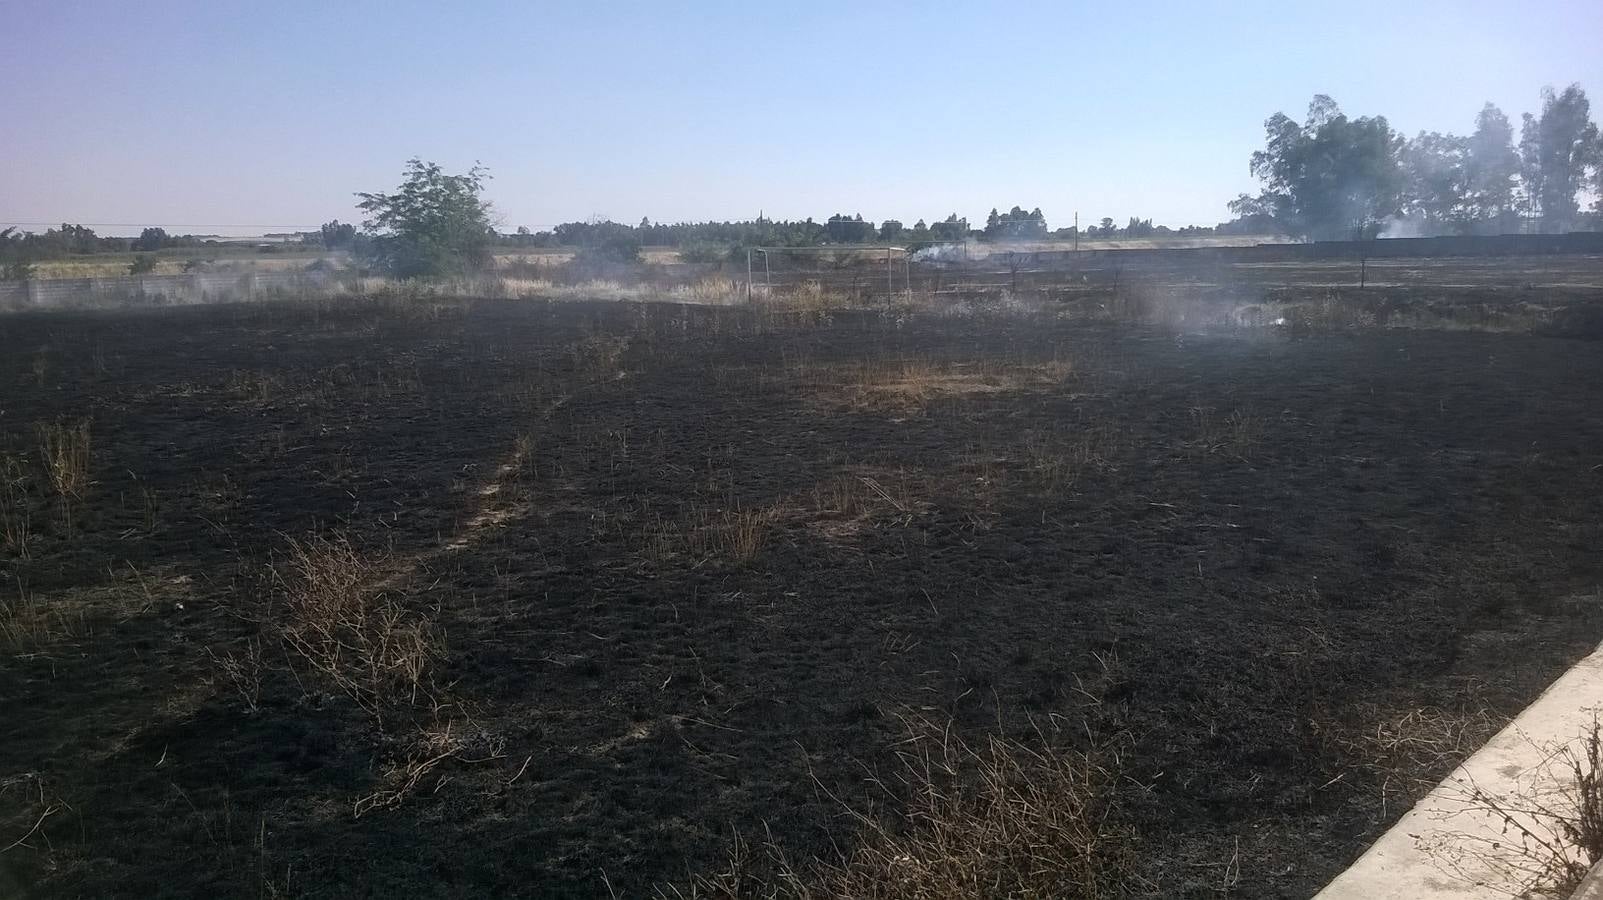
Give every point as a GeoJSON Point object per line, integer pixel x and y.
{"type": "Point", "coordinates": [195, 287]}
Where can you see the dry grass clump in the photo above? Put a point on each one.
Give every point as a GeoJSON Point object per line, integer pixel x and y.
{"type": "Point", "coordinates": [16, 516]}
{"type": "Point", "coordinates": [1002, 818]}
{"type": "Point", "coordinates": [914, 382]}
{"type": "Point", "coordinates": [598, 355]}
{"type": "Point", "coordinates": [360, 637]}
{"type": "Point", "coordinates": [715, 290]}
{"type": "Point", "coordinates": [1055, 459]}
{"type": "Point", "coordinates": [848, 504]}
{"type": "Point", "coordinates": [733, 536]}
{"type": "Point", "coordinates": [64, 450]}
{"type": "Point", "coordinates": [742, 532]}
{"type": "Point", "coordinates": [904, 382]}
{"type": "Point", "coordinates": [809, 296]}
{"type": "Point", "coordinates": [28, 621]}
{"type": "Point", "coordinates": [1234, 434]}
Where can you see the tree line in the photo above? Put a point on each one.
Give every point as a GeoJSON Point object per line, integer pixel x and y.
{"type": "Point", "coordinates": [20, 250]}
{"type": "Point", "coordinates": [1329, 177]}
{"type": "Point", "coordinates": [1332, 177]}
{"type": "Point", "coordinates": [841, 228]}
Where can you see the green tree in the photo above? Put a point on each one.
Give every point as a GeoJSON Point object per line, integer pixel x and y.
{"type": "Point", "coordinates": [152, 239]}
{"type": "Point", "coordinates": [1016, 224]}
{"type": "Point", "coordinates": [143, 264]}
{"type": "Point", "coordinates": [1556, 149]}
{"type": "Point", "coordinates": [338, 235]}
{"type": "Point", "coordinates": [1491, 169]}
{"type": "Point", "coordinates": [1328, 178]}
{"type": "Point", "coordinates": [844, 229]}
{"type": "Point", "coordinates": [951, 228]}
{"type": "Point", "coordinates": [11, 244]}
{"type": "Point", "coordinates": [434, 224]}
{"type": "Point", "coordinates": [1435, 179]}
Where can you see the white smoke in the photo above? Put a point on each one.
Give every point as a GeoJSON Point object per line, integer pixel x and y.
{"type": "Point", "coordinates": [950, 253]}
{"type": "Point", "coordinates": [1403, 227]}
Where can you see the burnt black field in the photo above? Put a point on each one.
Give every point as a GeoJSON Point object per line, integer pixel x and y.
{"type": "Point", "coordinates": [690, 569]}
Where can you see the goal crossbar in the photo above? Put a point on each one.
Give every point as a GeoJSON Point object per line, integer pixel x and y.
{"type": "Point", "coordinates": [888, 250]}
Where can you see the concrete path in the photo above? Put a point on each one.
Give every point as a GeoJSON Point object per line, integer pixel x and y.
{"type": "Point", "coordinates": [1449, 847]}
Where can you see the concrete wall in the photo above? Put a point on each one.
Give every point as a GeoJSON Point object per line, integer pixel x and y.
{"type": "Point", "coordinates": [195, 287]}
{"type": "Point", "coordinates": [1581, 242]}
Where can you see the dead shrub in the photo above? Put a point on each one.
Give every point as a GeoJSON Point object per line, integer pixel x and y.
{"type": "Point", "coordinates": [1407, 752]}
{"type": "Point", "coordinates": [27, 805]}
{"type": "Point", "coordinates": [341, 622]}
{"type": "Point", "coordinates": [1552, 821]}
{"type": "Point", "coordinates": [1002, 818]}
{"type": "Point", "coordinates": [421, 754]}
{"type": "Point", "coordinates": [241, 673]}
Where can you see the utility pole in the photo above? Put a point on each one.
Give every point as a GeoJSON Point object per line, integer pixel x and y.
{"type": "Point", "coordinates": [1076, 231]}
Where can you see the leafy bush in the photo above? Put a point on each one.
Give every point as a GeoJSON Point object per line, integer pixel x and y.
{"type": "Point", "coordinates": [433, 225]}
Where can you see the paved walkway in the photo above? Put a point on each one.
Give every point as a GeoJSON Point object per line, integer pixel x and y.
{"type": "Point", "coordinates": [1447, 847]}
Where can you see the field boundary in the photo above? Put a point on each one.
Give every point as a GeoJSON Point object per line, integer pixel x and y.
{"type": "Point", "coordinates": [1449, 845]}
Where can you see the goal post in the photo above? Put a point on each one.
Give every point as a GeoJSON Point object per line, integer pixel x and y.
{"type": "Point", "coordinates": [858, 272]}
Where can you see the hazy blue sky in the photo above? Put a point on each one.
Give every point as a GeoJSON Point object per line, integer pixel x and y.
{"type": "Point", "coordinates": [272, 113]}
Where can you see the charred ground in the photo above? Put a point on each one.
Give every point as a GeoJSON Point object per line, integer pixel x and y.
{"type": "Point", "coordinates": [688, 573]}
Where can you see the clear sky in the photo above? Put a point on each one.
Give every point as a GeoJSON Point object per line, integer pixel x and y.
{"type": "Point", "coordinates": [213, 113]}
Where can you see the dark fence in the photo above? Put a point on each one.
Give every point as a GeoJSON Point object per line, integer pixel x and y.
{"type": "Point", "coordinates": [1580, 242]}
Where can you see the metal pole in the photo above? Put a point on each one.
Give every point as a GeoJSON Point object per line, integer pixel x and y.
{"type": "Point", "coordinates": [748, 274]}
{"type": "Point", "coordinates": [1076, 231]}
{"type": "Point", "coordinates": [768, 278]}
{"type": "Point", "coordinates": [890, 288]}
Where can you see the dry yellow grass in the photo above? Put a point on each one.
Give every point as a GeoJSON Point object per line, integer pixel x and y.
{"type": "Point", "coordinates": [910, 384]}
